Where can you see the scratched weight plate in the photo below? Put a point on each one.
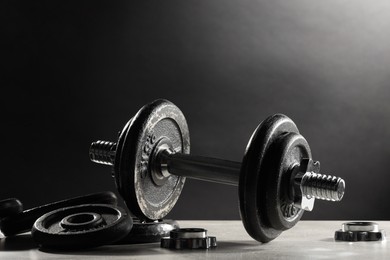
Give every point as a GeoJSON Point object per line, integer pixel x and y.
{"type": "Point", "coordinates": [24, 221]}
{"type": "Point", "coordinates": [82, 226]}
{"type": "Point", "coordinates": [155, 124]}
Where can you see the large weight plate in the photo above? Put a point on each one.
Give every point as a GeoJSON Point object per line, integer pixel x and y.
{"type": "Point", "coordinates": [286, 152]}
{"type": "Point", "coordinates": [81, 226]}
{"type": "Point", "coordinates": [23, 221]}
{"type": "Point", "coordinates": [155, 123]}
{"type": "Point", "coordinates": [253, 188]}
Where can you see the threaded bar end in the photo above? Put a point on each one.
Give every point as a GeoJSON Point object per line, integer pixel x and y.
{"type": "Point", "coordinates": [102, 152]}
{"type": "Point", "coordinates": [321, 186]}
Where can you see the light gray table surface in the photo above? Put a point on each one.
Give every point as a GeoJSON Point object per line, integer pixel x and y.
{"type": "Point", "coordinates": [307, 240]}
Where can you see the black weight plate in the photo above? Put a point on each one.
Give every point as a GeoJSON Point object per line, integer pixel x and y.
{"type": "Point", "coordinates": [155, 122]}
{"type": "Point", "coordinates": [149, 232]}
{"type": "Point", "coordinates": [10, 207]}
{"type": "Point", "coordinates": [253, 188]}
{"type": "Point", "coordinates": [81, 226]}
{"type": "Point", "coordinates": [23, 221]}
{"type": "Point", "coordinates": [287, 151]}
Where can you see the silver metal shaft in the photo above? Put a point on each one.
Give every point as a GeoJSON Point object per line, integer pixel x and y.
{"type": "Point", "coordinates": [321, 186]}
{"type": "Point", "coordinates": [102, 152]}
{"type": "Point", "coordinates": [313, 185]}
{"type": "Point", "coordinates": [202, 168]}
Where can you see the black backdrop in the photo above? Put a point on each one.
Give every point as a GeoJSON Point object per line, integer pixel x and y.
{"type": "Point", "coordinates": [75, 72]}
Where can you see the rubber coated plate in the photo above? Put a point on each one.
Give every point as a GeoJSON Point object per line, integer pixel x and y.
{"type": "Point", "coordinates": [253, 179]}
{"type": "Point", "coordinates": [149, 232]}
{"type": "Point", "coordinates": [10, 207]}
{"type": "Point", "coordinates": [156, 122]}
{"type": "Point", "coordinates": [82, 226]}
{"type": "Point", "coordinates": [23, 221]}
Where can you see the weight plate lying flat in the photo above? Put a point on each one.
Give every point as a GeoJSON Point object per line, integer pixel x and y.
{"type": "Point", "coordinates": [360, 231]}
{"type": "Point", "coordinates": [10, 207]}
{"type": "Point", "coordinates": [253, 196]}
{"type": "Point", "coordinates": [149, 232]}
{"type": "Point", "coordinates": [188, 238]}
{"type": "Point", "coordinates": [23, 221]}
{"type": "Point", "coordinates": [157, 123]}
{"type": "Point", "coordinates": [82, 226]}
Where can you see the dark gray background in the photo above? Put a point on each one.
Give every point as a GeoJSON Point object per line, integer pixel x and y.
{"type": "Point", "coordinates": [77, 71]}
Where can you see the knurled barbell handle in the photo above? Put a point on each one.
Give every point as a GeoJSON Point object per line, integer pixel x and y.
{"type": "Point", "coordinates": [202, 168]}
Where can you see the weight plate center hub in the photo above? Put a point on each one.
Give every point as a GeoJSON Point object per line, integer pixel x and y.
{"type": "Point", "coordinates": [82, 221]}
